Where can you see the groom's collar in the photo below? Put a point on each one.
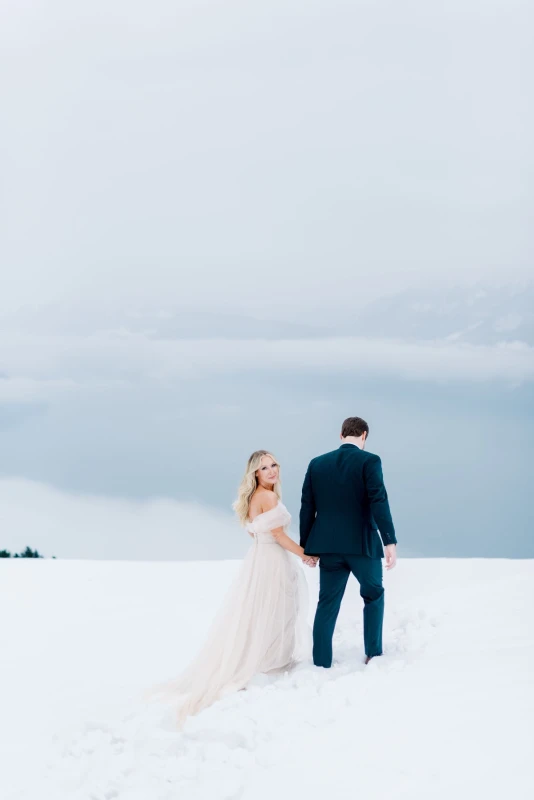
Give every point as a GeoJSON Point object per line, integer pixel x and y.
{"type": "Point", "coordinates": [350, 444]}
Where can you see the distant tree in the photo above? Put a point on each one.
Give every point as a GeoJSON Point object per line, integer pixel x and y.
{"type": "Point", "coordinates": [28, 553]}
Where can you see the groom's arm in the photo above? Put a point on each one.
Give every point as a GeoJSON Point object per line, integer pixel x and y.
{"type": "Point", "coordinates": [307, 509]}
{"type": "Point", "coordinates": [378, 499]}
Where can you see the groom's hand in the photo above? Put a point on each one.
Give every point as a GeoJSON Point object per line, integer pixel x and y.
{"type": "Point", "coordinates": [311, 561]}
{"type": "Point", "coordinates": [391, 555]}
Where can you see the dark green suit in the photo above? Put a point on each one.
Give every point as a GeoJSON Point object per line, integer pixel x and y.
{"type": "Point", "coordinates": [344, 504]}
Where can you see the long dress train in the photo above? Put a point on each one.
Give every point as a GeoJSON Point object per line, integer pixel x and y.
{"type": "Point", "coordinates": [261, 627]}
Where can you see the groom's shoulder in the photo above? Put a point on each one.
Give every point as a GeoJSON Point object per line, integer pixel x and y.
{"type": "Point", "coordinates": [358, 454]}
{"type": "Point", "coordinates": [369, 455]}
{"type": "Point", "coordinates": [371, 461]}
{"type": "Point", "coordinates": [324, 457]}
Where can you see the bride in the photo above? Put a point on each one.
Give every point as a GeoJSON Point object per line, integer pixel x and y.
{"type": "Point", "coordinates": [262, 624]}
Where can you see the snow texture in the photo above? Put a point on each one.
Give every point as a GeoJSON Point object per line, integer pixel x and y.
{"type": "Point", "coordinates": [446, 712]}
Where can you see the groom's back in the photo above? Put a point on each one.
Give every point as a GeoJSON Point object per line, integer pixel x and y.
{"type": "Point", "coordinates": [336, 514]}
{"type": "Point", "coordinates": [338, 481]}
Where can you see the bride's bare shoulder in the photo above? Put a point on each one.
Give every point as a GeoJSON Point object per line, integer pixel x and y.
{"type": "Point", "coordinates": [268, 500]}
{"type": "Point", "coordinates": [262, 501]}
{"type": "Point", "coordinates": [255, 505]}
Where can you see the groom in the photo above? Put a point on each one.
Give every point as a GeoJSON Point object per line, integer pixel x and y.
{"type": "Point", "coordinates": [344, 501]}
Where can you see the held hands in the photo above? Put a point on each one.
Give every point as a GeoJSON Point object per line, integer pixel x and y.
{"type": "Point", "coordinates": [310, 561]}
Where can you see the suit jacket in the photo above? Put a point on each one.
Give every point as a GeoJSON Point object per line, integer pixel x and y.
{"type": "Point", "coordinates": [344, 502]}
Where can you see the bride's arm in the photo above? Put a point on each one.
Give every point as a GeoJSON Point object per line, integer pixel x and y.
{"type": "Point", "coordinates": [287, 542]}
{"type": "Point", "coordinates": [269, 502]}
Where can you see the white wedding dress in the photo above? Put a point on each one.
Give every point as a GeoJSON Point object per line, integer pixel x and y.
{"type": "Point", "coordinates": [261, 627]}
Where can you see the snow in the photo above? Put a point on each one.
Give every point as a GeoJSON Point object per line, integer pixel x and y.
{"type": "Point", "coordinates": [445, 712]}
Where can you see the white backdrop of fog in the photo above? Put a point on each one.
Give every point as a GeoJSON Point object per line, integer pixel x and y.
{"type": "Point", "coordinates": [229, 226]}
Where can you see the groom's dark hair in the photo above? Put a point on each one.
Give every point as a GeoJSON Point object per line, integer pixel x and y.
{"type": "Point", "coordinates": [354, 426]}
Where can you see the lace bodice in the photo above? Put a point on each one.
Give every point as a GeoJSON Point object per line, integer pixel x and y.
{"type": "Point", "coordinates": [262, 525]}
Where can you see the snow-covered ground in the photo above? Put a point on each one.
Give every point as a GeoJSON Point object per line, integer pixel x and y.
{"type": "Point", "coordinates": [447, 712]}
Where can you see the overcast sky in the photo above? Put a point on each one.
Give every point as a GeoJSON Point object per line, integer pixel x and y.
{"type": "Point", "coordinates": [229, 225]}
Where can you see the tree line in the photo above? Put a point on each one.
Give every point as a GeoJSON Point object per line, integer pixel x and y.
{"type": "Point", "coordinates": [28, 553]}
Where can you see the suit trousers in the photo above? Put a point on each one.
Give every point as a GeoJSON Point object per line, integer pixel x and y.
{"type": "Point", "coordinates": [334, 574]}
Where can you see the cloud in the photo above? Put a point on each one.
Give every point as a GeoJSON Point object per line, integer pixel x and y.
{"type": "Point", "coordinates": [41, 367]}
{"type": "Point", "coordinates": [29, 390]}
{"type": "Point", "coordinates": [91, 526]}
{"type": "Point", "coordinates": [358, 161]}
{"type": "Point", "coordinates": [187, 218]}
{"type": "Point", "coordinates": [508, 323]}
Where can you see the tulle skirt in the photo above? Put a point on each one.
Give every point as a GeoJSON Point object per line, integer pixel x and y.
{"type": "Point", "coordinates": [262, 627]}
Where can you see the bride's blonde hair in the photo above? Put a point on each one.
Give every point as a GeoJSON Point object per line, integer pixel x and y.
{"type": "Point", "coordinates": [249, 484]}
